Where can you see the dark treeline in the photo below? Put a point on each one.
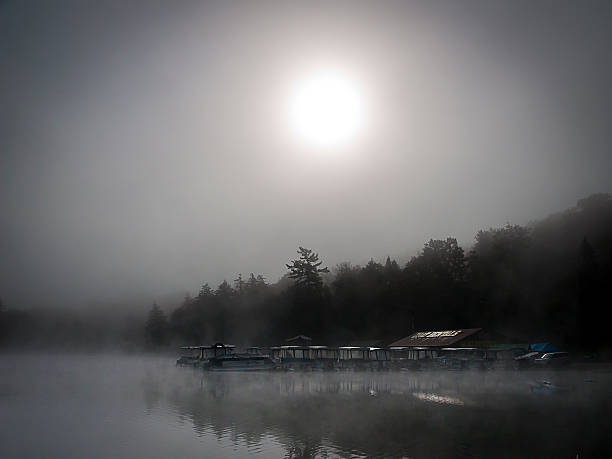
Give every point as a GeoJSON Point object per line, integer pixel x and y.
{"type": "Point", "coordinates": [548, 280]}
{"type": "Point", "coordinates": [544, 281]}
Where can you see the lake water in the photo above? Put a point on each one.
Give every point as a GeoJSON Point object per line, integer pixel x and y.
{"type": "Point", "coordinates": [118, 406]}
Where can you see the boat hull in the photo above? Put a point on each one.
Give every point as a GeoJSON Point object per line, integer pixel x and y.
{"type": "Point", "coordinates": [241, 363]}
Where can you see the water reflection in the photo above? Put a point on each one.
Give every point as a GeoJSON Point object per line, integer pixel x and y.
{"type": "Point", "coordinates": [421, 414]}
{"type": "Point", "coordinates": [101, 406]}
{"type": "Point", "coordinates": [435, 398]}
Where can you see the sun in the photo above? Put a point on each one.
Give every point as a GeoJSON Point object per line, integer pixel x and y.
{"type": "Point", "coordinates": [327, 109]}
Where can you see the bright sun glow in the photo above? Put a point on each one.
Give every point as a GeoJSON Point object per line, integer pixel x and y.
{"type": "Point", "coordinates": [327, 110]}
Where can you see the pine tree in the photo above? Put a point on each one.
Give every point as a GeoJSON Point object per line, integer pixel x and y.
{"type": "Point", "coordinates": [205, 291]}
{"type": "Point", "coordinates": [306, 271]}
{"type": "Point", "coordinates": [239, 284]}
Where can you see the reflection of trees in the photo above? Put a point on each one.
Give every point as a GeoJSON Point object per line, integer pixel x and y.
{"type": "Point", "coordinates": [151, 391]}
{"type": "Point", "coordinates": [352, 414]}
{"type": "Point", "coordinates": [305, 449]}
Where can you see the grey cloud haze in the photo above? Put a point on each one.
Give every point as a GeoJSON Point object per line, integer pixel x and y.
{"type": "Point", "coordinates": [145, 148]}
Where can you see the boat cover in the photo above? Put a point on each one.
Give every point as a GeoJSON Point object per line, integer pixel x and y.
{"type": "Point", "coordinates": [543, 347]}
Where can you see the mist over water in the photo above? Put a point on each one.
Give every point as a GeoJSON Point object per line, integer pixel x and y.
{"type": "Point", "coordinates": [346, 172]}
{"type": "Point", "coordinates": [140, 406]}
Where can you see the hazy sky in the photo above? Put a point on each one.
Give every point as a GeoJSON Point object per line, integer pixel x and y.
{"type": "Point", "coordinates": [145, 147]}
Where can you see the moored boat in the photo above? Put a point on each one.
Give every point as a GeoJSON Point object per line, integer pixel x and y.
{"type": "Point", "coordinates": [222, 357]}
{"type": "Point", "coordinates": [201, 355]}
{"type": "Point", "coordinates": [190, 356]}
{"type": "Point", "coordinates": [240, 362]}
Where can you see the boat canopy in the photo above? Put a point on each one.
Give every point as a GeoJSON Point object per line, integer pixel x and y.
{"type": "Point", "coordinates": [459, 349]}
{"type": "Point", "coordinates": [543, 347]}
{"type": "Point", "coordinates": [211, 350]}
{"type": "Point", "coordinates": [354, 353]}
{"type": "Point", "coordinates": [210, 346]}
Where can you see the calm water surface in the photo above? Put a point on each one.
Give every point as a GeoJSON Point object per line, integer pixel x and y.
{"type": "Point", "coordinates": [117, 406]}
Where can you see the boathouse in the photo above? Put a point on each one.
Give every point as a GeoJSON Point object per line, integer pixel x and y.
{"type": "Point", "coordinates": [427, 344]}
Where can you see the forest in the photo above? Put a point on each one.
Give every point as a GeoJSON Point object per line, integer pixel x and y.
{"type": "Point", "coordinates": [548, 280]}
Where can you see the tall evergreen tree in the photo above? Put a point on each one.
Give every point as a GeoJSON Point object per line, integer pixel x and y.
{"type": "Point", "coordinates": [239, 284]}
{"type": "Point", "coordinates": [309, 297]}
{"type": "Point", "coordinates": [205, 291]}
{"type": "Point", "coordinates": [306, 270]}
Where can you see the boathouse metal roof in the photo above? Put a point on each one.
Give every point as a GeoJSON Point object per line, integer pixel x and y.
{"type": "Point", "coordinates": [443, 338]}
{"type": "Point", "coordinates": [299, 338]}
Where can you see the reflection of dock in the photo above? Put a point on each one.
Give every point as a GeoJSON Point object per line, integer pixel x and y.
{"type": "Point", "coordinates": [381, 414]}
